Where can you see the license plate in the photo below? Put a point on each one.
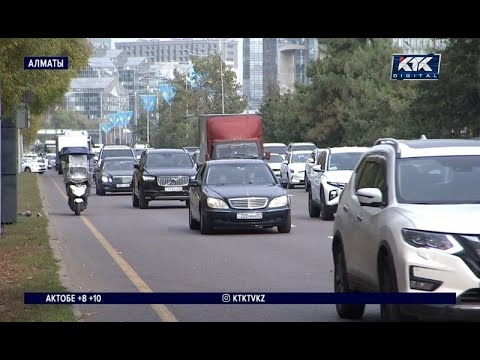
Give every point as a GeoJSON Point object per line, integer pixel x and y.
{"type": "Point", "coordinates": [123, 185]}
{"type": "Point", "coordinates": [173, 188]}
{"type": "Point", "coordinates": [244, 216]}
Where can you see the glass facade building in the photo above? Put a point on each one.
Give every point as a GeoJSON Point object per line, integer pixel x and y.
{"type": "Point", "coordinates": [253, 72]}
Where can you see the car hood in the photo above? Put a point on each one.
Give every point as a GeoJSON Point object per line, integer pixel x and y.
{"type": "Point", "coordinates": [297, 166]}
{"type": "Point", "coordinates": [238, 191]}
{"type": "Point", "coordinates": [171, 172]}
{"type": "Point", "coordinates": [119, 172]}
{"type": "Point", "coordinates": [275, 166]}
{"type": "Point", "coordinates": [450, 218]}
{"type": "Point", "coordinates": [340, 176]}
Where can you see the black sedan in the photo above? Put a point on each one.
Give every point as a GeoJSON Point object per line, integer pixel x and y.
{"type": "Point", "coordinates": [162, 174]}
{"type": "Point", "coordinates": [115, 175]}
{"type": "Point", "coordinates": [238, 194]}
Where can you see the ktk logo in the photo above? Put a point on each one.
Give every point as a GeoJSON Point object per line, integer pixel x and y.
{"type": "Point", "coordinates": [417, 63]}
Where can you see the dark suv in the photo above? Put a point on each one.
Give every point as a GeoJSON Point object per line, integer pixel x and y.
{"type": "Point", "coordinates": [162, 174]}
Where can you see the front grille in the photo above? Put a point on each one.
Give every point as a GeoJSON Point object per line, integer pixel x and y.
{"type": "Point", "coordinates": [248, 203]}
{"type": "Point", "coordinates": [173, 180]}
{"type": "Point", "coordinates": [122, 179]}
{"type": "Point", "coordinates": [469, 297]}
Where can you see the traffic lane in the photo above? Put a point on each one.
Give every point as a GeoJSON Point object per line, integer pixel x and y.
{"type": "Point", "coordinates": [170, 257]}
{"type": "Point", "coordinates": [88, 267]}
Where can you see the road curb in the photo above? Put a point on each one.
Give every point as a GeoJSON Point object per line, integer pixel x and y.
{"type": "Point", "coordinates": [55, 240]}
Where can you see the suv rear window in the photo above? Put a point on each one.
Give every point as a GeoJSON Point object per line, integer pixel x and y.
{"type": "Point", "coordinates": [117, 153]}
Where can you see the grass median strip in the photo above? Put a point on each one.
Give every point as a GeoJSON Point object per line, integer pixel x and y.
{"type": "Point", "coordinates": [27, 263]}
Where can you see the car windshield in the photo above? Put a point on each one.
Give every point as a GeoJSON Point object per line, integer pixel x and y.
{"type": "Point", "coordinates": [438, 180]}
{"type": "Point", "coordinates": [300, 158]}
{"type": "Point", "coordinates": [303, 147]}
{"type": "Point", "coordinates": [117, 153]}
{"type": "Point", "coordinates": [169, 160]}
{"type": "Point", "coordinates": [274, 158]}
{"type": "Point", "coordinates": [116, 165]}
{"type": "Point", "coordinates": [344, 161]}
{"type": "Point", "coordinates": [240, 174]}
{"type": "Point", "coordinates": [275, 149]}
{"type": "Point", "coordinates": [236, 150]}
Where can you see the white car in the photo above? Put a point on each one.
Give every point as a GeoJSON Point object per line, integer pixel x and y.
{"type": "Point", "coordinates": [332, 174]}
{"type": "Point", "coordinates": [275, 148]}
{"type": "Point", "coordinates": [408, 222]}
{"type": "Point", "coordinates": [275, 163]}
{"type": "Point", "coordinates": [293, 168]}
{"type": "Point", "coordinates": [33, 165]}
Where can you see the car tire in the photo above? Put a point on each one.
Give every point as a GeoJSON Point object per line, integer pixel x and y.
{"type": "Point", "coordinates": [285, 228]}
{"type": "Point", "coordinates": [340, 285]}
{"type": "Point", "coordinates": [388, 283]}
{"type": "Point", "coordinates": [192, 223]}
{"type": "Point", "coordinates": [135, 202]}
{"type": "Point", "coordinates": [307, 185]}
{"type": "Point", "coordinates": [313, 209]}
{"type": "Point", "coordinates": [187, 203]}
{"type": "Point", "coordinates": [142, 202]}
{"type": "Point", "coordinates": [27, 169]}
{"type": "Point", "coordinates": [325, 214]}
{"type": "Point", "coordinates": [205, 228]}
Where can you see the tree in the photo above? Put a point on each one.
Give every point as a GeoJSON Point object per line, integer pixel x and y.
{"type": "Point", "coordinates": [68, 120]}
{"type": "Point", "coordinates": [45, 87]}
{"type": "Point", "coordinates": [450, 105]}
{"type": "Point", "coordinates": [351, 99]}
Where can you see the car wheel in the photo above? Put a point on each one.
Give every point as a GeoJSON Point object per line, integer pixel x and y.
{"type": "Point", "coordinates": [285, 228]}
{"type": "Point", "coordinates": [340, 284]}
{"type": "Point", "coordinates": [100, 190]}
{"type": "Point", "coordinates": [289, 185]}
{"type": "Point", "coordinates": [388, 283]}
{"type": "Point", "coordinates": [187, 203]}
{"type": "Point", "coordinates": [205, 228]}
{"type": "Point", "coordinates": [194, 224]}
{"type": "Point", "coordinates": [325, 214]}
{"type": "Point", "coordinates": [142, 202]}
{"type": "Point", "coordinates": [27, 169]}
{"type": "Point", "coordinates": [307, 185]}
{"type": "Point", "coordinates": [135, 202]}
{"type": "Point", "coordinates": [313, 209]}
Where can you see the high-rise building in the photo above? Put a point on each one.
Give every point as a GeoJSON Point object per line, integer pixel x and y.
{"type": "Point", "coordinates": [181, 50]}
{"type": "Point", "coordinates": [253, 72]}
{"type": "Point", "coordinates": [285, 61]}
{"type": "Point", "coordinates": [418, 45]}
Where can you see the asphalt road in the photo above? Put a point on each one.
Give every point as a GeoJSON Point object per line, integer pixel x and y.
{"type": "Point", "coordinates": [113, 247]}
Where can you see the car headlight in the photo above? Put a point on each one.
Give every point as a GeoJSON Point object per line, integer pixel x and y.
{"type": "Point", "coordinates": [336, 184]}
{"type": "Point", "coordinates": [105, 178]}
{"type": "Point", "coordinates": [193, 177]}
{"type": "Point", "coordinates": [148, 178]}
{"type": "Point", "coordinates": [279, 201]}
{"type": "Point", "coordinates": [424, 239]}
{"type": "Point", "coordinates": [216, 203]}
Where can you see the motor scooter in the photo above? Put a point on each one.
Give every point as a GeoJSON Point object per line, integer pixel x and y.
{"type": "Point", "coordinates": [77, 165]}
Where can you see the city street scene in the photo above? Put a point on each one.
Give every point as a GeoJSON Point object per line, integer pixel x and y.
{"type": "Point", "coordinates": [239, 180]}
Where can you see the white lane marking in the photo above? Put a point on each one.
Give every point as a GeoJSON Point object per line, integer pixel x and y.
{"type": "Point", "coordinates": [294, 225]}
{"type": "Point", "coordinates": [330, 237]}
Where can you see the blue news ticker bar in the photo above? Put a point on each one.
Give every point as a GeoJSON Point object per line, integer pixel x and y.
{"type": "Point", "coordinates": [239, 298]}
{"type": "Point", "coordinates": [45, 63]}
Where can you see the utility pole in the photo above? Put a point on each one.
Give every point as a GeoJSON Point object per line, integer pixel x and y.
{"type": "Point", "coordinates": [100, 120]}
{"type": "Point", "coordinates": [148, 119]}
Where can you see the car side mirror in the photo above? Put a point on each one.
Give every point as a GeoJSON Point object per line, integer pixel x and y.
{"type": "Point", "coordinates": [370, 197]}
{"type": "Point", "coordinates": [194, 183]}
{"type": "Point", "coordinates": [310, 161]}
{"type": "Point", "coordinates": [136, 166]}
{"type": "Point", "coordinates": [317, 168]}
{"type": "Point", "coordinates": [283, 181]}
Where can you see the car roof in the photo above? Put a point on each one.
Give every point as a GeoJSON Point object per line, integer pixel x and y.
{"type": "Point", "coordinates": [235, 161]}
{"type": "Point", "coordinates": [302, 143]}
{"type": "Point", "coordinates": [274, 144]}
{"type": "Point", "coordinates": [156, 151]}
{"type": "Point", "coordinates": [105, 147]}
{"type": "Point", "coordinates": [302, 152]}
{"type": "Point", "coordinates": [119, 158]}
{"type": "Point", "coordinates": [430, 147]}
{"type": "Point", "coordinates": [349, 149]}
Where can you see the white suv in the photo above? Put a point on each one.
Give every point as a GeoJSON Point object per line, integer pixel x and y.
{"type": "Point", "coordinates": [332, 173]}
{"type": "Point", "coordinates": [408, 222]}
